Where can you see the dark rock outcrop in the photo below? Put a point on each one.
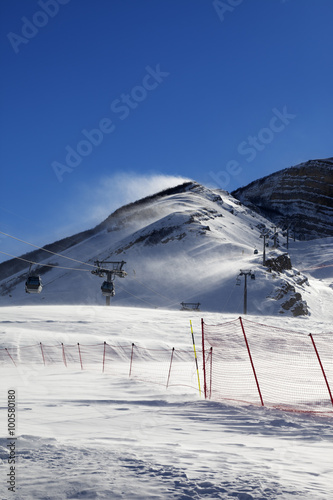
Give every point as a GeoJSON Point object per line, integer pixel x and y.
{"type": "Point", "coordinates": [279, 263]}
{"type": "Point", "coordinates": [296, 305]}
{"type": "Point", "coordinates": [299, 197]}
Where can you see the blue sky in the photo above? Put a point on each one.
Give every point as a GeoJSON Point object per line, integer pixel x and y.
{"type": "Point", "coordinates": [105, 101]}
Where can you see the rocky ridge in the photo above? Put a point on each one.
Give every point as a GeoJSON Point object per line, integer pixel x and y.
{"type": "Point", "coordinates": [298, 197]}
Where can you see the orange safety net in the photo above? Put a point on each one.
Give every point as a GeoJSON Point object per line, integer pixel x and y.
{"type": "Point", "coordinates": [270, 366]}
{"type": "Point", "coordinates": [169, 367]}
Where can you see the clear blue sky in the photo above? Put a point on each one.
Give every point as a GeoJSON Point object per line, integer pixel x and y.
{"type": "Point", "coordinates": [222, 93]}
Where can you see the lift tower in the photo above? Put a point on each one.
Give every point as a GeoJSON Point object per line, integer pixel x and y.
{"type": "Point", "coordinates": [245, 274]}
{"type": "Point", "coordinates": [264, 234]}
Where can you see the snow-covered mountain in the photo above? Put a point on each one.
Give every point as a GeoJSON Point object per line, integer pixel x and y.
{"type": "Point", "coordinates": [184, 244]}
{"type": "Point", "coordinates": [299, 197]}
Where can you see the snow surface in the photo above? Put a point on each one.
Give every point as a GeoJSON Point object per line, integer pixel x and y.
{"type": "Point", "coordinates": [85, 434]}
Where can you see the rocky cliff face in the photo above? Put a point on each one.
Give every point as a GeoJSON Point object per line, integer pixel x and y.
{"type": "Point", "coordinates": [300, 197]}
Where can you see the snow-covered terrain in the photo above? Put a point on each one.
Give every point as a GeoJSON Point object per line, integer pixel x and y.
{"type": "Point", "coordinates": [187, 244]}
{"type": "Point", "coordinates": [86, 434]}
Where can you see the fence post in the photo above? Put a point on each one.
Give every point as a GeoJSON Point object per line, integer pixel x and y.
{"type": "Point", "coordinates": [131, 360]}
{"type": "Point", "coordinates": [63, 354]}
{"type": "Point", "coordinates": [41, 348]}
{"type": "Point", "coordinates": [322, 368]}
{"type": "Point", "coordinates": [173, 349]}
{"type": "Point", "coordinates": [203, 356]}
{"type": "Point", "coordinates": [10, 356]}
{"type": "Point", "coordinates": [211, 372]}
{"type": "Point", "coordinates": [104, 356]}
{"type": "Point", "coordinates": [195, 357]}
{"type": "Point", "coordinates": [254, 371]}
{"type": "Point", "coordinates": [78, 345]}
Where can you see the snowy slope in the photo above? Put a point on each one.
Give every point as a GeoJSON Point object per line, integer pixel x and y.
{"type": "Point", "coordinates": [186, 244]}
{"type": "Point", "coordinates": [84, 434]}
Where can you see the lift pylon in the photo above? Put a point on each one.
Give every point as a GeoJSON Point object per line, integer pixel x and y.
{"type": "Point", "coordinates": [245, 273]}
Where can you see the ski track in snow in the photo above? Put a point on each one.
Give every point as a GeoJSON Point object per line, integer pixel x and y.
{"type": "Point", "coordinates": [85, 434]}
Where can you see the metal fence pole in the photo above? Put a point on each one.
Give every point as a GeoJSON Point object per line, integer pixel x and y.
{"type": "Point", "coordinates": [253, 369]}
{"type": "Point", "coordinates": [203, 356]}
{"type": "Point", "coordinates": [63, 355]}
{"type": "Point", "coordinates": [41, 348]}
{"type": "Point", "coordinates": [78, 345]}
{"type": "Point", "coordinates": [173, 350]}
{"type": "Point", "coordinates": [322, 368]}
{"type": "Point", "coordinates": [131, 360]}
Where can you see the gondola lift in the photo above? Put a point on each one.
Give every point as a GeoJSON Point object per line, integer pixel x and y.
{"type": "Point", "coordinates": [33, 283]}
{"type": "Point", "coordinates": [108, 289]}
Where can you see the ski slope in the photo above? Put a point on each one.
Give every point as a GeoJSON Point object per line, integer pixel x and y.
{"type": "Point", "coordinates": [84, 434]}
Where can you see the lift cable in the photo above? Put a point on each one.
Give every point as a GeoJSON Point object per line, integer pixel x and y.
{"type": "Point", "coordinates": [44, 249]}
{"type": "Point", "coordinates": [75, 269]}
{"type": "Point", "coordinates": [87, 270]}
{"type": "Point", "coordinates": [136, 297]}
{"type": "Point", "coordinates": [47, 265]}
{"type": "Point", "coordinates": [231, 292]}
{"type": "Point", "coordinates": [151, 289]}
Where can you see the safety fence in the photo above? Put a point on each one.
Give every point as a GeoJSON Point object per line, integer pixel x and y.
{"type": "Point", "coordinates": [268, 366]}
{"type": "Point", "coordinates": [169, 367]}
{"type": "Point", "coordinates": [239, 361]}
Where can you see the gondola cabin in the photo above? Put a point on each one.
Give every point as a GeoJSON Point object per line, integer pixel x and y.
{"type": "Point", "coordinates": [33, 284]}
{"type": "Point", "coordinates": [108, 289]}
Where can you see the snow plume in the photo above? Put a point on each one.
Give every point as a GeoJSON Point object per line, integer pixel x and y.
{"type": "Point", "coordinates": [118, 190]}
